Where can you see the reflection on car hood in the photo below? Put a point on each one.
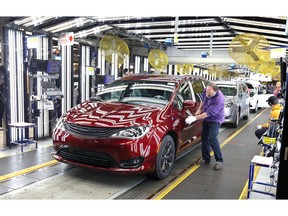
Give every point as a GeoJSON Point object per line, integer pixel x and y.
{"type": "Point", "coordinates": [229, 99]}
{"type": "Point", "coordinates": [104, 114]}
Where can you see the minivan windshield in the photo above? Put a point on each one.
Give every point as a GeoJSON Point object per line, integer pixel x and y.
{"type": "Point", "coordinates": [141, 92]}
{"type": "Point", "coordinates": [228, 90]}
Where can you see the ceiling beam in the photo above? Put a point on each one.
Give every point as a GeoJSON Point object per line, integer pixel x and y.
{"type": "Point", "coordinates": [123, 32]}
{"type": "Point", "coordinates": [224, 24]}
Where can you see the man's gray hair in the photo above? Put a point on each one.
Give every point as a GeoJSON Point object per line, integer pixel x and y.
{"type": "Point", "coordinates": [213, 86]}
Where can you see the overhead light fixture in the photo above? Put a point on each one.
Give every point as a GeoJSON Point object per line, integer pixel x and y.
{"type": "Point", "coordinates": [66, 25]}
{"type": "Point", "coordinates": [25, 20]}
{"type": "Point", "coordinates": [257, 30]}
{"type": "Point", "coordinates": [95, 30]}
{"type": "Point", "coordinates": [286, 27]}
{"type": "Point", "coordinates": [28, 33]}
{"type": "Point", "coordinates": [176, 30]}
{"type": "Point", "coordinates": [186, 35]}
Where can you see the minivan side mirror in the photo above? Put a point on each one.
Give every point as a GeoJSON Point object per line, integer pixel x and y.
{"type": "Point", "coordinates": [252, 94]}
{"type": "Point", "coordinates": [189, 103]}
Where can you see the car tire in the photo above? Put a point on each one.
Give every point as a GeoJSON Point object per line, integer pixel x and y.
{"type": "Point", "coordinates": [165, 159]}
{"type": "Point", "coordinates": [236, 123]}
{"type": "Point", "coordinates": [248, 113]}
{"type": "Point", "coordinates": [256, 107]}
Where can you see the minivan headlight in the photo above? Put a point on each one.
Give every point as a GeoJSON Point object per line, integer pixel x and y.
{"type": "Point", "coordinates": [133, 133]}
{"type": "Point", "coordinates": [228, 105]}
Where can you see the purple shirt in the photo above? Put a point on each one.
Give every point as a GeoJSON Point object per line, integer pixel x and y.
{"type": "Point", "coordinates": [214, 107]}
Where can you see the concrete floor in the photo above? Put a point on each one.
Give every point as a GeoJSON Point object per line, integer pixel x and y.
{"type": "Point", "coordinates": [205, 183]}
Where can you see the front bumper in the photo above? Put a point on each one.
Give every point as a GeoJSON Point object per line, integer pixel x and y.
{"type": "Point", "coordinates": [230, 114]}
{"type": "Point", "coordinates": [117, 155]}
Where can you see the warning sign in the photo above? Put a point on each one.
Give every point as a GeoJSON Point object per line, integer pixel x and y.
{"type": "Point", "coordinates": [32, 42]}
{"type": "Point", "coordinates": [66, 39]}
{"type": "Point", "coordinates": [277, 53]}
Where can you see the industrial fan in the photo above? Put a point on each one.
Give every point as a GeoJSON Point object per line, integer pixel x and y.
{"type": "Point", "coordinates": [112, 44]}
{"type": "Point", "coordinates": [185, 68]}
{"type": "Point", "coordinates": [158, 59]}
{"type": "Point", "coordinates": [221, 71]}
{"type": "Point", "coordinates": [263, 67]}
{"type": "Point", "coordinates": [249, 49]}
{"type": "Point", "coordinates": [269, 68]}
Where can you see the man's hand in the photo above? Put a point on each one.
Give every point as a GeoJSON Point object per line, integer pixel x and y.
{"type": "Point", "coordinates": [198, 112]}
{"type": "Point", "coordinates": [190, 119]}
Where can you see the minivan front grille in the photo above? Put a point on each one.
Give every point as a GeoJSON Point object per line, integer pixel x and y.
{"type": "Point", "coordinates": [91, 132]}
{"type": "Point", "coordinates": [87, 157]}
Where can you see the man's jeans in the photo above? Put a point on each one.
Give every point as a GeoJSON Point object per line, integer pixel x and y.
{"type": "Point", "coordinates": [210, 131]}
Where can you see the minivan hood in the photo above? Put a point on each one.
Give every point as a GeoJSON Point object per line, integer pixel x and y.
{"type": "Point", "coordinates": [108, 114]}
{"type": "Point", "coordinates": [229, 99]}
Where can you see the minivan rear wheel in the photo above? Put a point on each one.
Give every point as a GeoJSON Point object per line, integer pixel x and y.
{"type": "Point", "coordinates": [256, 107]}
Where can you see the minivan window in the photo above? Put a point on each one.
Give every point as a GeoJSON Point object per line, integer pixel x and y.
{"type": "Point", "coordinates": [249, 86]}
{"type": "Point", "coordinates": [185, 91]}
{"type": "Point", "coordinates": [198, 89]}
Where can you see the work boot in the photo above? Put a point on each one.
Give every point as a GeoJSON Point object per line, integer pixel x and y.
{"type": "Point", "coordinates": [218, 165]}
{"type": "Point", "coordinates": [202, 161]}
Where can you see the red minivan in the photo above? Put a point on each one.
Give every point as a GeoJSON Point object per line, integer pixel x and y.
{"type": "Point", "coordinates": [136, 124]}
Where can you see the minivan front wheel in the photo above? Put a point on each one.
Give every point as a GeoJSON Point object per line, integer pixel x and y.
{"type": "Point", "coordinates": [236, 122]}
{"type": "Point", "coordinates": [165, 158]}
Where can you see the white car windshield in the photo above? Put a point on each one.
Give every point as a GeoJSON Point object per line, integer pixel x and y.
{"type": "Point", "coordinates": [141, 92]}
{"type": "Point", "coordinates": [228, 90]}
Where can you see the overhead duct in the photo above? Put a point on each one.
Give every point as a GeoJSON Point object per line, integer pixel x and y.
{"type": "Point", "coordinates": [191, 60]}
{"type": "Point", "coordinates": [176, 56]}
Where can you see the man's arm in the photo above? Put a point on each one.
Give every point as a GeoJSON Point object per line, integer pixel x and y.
{"type": "Point", "coordinates": [201, 116]}
{"type": "Point", "coordinates": [199, 109]}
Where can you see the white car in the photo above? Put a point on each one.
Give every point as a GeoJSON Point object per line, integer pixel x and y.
{"type": "Point", "coordinates": [237, 101]}
{"type": "Point", "coordinates": [258, 96]}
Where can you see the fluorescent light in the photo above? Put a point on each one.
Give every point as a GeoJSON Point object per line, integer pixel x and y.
{"type": "Point", "coordinates": [38, 20]}
{"type": "Point", "coordinates": [285, 40]}
{"type": "Point", "coordinates": [204, 43]}
{"type": "Point", "coordinates": [236, 28]}
{"type": "Point", "coordinates": [255, 23]}
{"type": "Point", "coordinates": [202, 46]}
{"type": "Point", "coordinates": [187, 35]}
{"type": "Point", "coordinates": [106, 18]}
{"type": "Point", "coordinates": [28, 33]}
{"type": "Point", "coordinates": [199, 39]}
{"type": "Point", "coordinates": [92, 31]}
{"type": "Point", "coordinates": [192, 29]}
{"type": "Point", "coordinates": [66, 25]}
{"type": "Point", "coordinates": [165, 23]}
{"type": "Point", "coordinates": [24, 20]}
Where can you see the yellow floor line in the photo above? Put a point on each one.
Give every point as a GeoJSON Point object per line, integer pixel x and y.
{"type": "Point", "coordinates": [164, 192]}
{"type": "Point", "coordinates": [27, 170]}
{"type": "Point", "coordinates": [175, 183]}
{"type": "Point", "coordinates": [244, 192]}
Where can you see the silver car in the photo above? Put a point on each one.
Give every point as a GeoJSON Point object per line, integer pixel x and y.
{"type": "Point", "coordinates": [237, 101]}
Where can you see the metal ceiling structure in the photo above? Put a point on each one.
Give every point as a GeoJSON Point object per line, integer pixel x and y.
{"type": "Point", "coordinates": [192, 32]}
